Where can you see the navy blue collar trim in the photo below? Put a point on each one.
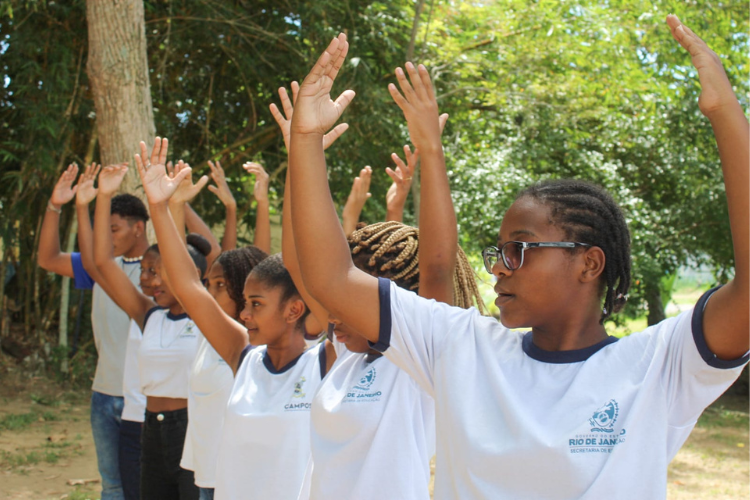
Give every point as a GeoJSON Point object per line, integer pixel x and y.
{"type": "Point", "coordinates": [562, 357]}
{"type": "Point", "coordinates": [384, 333]}
{"type": "Point", "coordinates": [322, 359]}
{"type": "Point", "coordinates": [272, 369]}
{"type": "Point", "coordinates": [177, 317]}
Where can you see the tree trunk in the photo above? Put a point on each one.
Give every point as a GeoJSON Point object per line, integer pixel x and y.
{"type": "Point", "coordinates": [118, 70]}
{"type": "Point", "coordinates": [652, 293]}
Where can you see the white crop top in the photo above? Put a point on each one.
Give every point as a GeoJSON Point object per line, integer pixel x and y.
{"type": "Point", "coordinates": [166, 354]}
{"type": "Point", "coordinates": [134, 408]}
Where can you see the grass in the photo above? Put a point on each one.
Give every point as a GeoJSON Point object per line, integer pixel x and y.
{"type": "Point", "coordinates": [722, 418]}
{"type": "Point", "coordinates": [17, 421]}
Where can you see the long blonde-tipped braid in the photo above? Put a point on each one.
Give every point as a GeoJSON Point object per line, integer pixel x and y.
{"type": "Point", "coordinates": [385, 238]}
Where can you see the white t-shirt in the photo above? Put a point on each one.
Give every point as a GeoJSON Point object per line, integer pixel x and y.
{"type": "Point", "coordinates": [373, 432]}
{"type": "Point", "coordinates": [265, 444]}
{"type": "Point", "coordinates": [134, 408]}
{"type": "Point", "coordinates": [517, 422]}
{"type": "Point", "coordinates": [209, 386]}
{"type": "Point", "coordinates": [166, 354]}
{"type": "Point", "coordinates": [110, 325]}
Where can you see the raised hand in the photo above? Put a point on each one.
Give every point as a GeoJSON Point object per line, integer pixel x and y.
{"type": "Point", "coordinates": [186, 190]}
{"type": "Point", "coordinates": [111, 177]}
{"type": "Point", "coordinates": [260, 189]}
{"type": "Point", "coordinates": [419, 106]}
{"type": "Point", "coordinates": [222, 188]}
{"type": "Point", "coordinates": [356, 201]}
{"type": "Point", "coordinates": [316, 111]}
{"type": "Point", "coordinates": [86, 190]}
{"type": "Point", "coordinates": [64, 190]}
{"type": "Point", "coordinates": [716, 90]}
{"type": "Point", "coordinates": [402, 178]}
{"type": "Point", "coordinates": [285, 120]}
{"type": "Point", "coordinates": [158, 186]}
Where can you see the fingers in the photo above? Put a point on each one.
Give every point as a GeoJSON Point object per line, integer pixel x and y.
{"type": "Point", "coordinates": [322, 65]}
{"type": "Point", "coordinates": [280, 120]}
{"type": "Point", "coordinates": [183, 174]}
{"type": "Point", "coordinates": [201, 183]}
{"type": "Point", "coordinates": [400, 163]}
{"type": "Point", "coordinates": [343, 100]}
{"type": "Point", "coordinates": [424, 77]}
{"type": "Point", "coordinates": [338, 61]}
{"type": "Point", "coordinates": [295, 92]}
{"type": "Point", "coordinates": [406, 88]}
{"type": "Point", "coordinates": [366, 175]}
{"type": "Point", "coordinates": [286, 103]}
{"type": "Point", "coordinates": [397, 97]}
{"type": "Point", "coordinates": [416, 80]}
{"type": "Point", "coordinates": [213, 189]}
{"type": "Point", "coordinates": [334, 134]}
{"type": "Point", "coordinates": [442, 120]}
{"type": "Point", "coordinates": [685, 36]}
{"type": "Point", "coordinates": [155, 151]}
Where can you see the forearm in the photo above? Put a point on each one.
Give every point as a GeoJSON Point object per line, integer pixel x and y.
{"type": "Point", "coordinates": [49, 256]}
{"type": "Point", "coordinates": [86, 240]}
{"type": "Point", "coordinates": [438, 233]}
{"type": "Point", "coordinates": [314, 219]}
{"type": "Point", "coordinates": [178, 215]}
{"type": "Point", "coordinates": [102, 237]}
{"type": "Point", "coordinates": [229, 240]}
{"type": "Point", "coordinates": [262, 236]}
{"type": "Point", "coordinates": [394, 212]}
{"type": "Point", "coordinates": [195, 224]}
{"type": "Point", "coordinates": [350, 218]}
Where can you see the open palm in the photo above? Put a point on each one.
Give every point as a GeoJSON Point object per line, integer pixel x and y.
{"type": "Point", "coordinates": [111, 177]}
{"type": "Point", "coordinates": [64, 190]}
{"type": "Point", "coordinates": [86, 190]}
{"type": "Point", "coordinates": [158, 186]}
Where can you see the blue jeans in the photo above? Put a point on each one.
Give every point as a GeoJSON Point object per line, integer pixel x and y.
{"type": "Point", "coordinates": [130, 459]}
{"type": "Point", "coordinates": [105, 426]}
{"type": "Point", "coordinates": [206, 494]}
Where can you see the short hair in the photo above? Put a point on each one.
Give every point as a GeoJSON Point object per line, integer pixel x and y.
{"type": "Point", "coordinates": [237, 265]}
{"type": "Point", "coordinates": [199, 247]}
{"type": "Point", "coordinates": [129, 207]}
{"type": "Point", "coordinates": [391, 250]}
{"type": "Point", "coordinates": [587, 213]}
{"type": "Point", "coordinates": [272, 273]}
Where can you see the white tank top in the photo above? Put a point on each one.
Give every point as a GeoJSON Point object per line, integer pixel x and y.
{"type": "Point", "coordinates": [209, 386]}
{"type": "Point", "coordinates": [373, 432]}
{"type": "Point", "coordinates": [166, 354]}
{"type": "Point", "coordinates": [134, 409]}
{"type": "Point", "coordinates": [265, 445]}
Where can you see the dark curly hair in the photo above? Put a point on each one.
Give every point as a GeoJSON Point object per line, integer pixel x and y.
{"type": "Point", "coordinates": [588, 214]}
{"type": "Point", "coordinates": [198, 247]}
{"type": "Point", "coordinates": [237, 265]}
{"type": "Point", "coordinates": [129, 207]}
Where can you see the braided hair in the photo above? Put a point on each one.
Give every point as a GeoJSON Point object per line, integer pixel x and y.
{"type": "Point", "coordinates": [390, 250]}
{"type": "Point", "coordinates": [237, 265]}
{"type": "Point", "coordinates": [588, 214]}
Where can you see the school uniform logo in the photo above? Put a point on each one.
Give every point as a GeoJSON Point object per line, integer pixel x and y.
{"type": "Point", "coordinates": [298, 394]}
{"type": "Point", "coordinates": [603, 436]}
{"type": "Point", "coordinates": [362, 390]}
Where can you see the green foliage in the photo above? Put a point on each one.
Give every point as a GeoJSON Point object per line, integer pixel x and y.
{"type": "Point", "coordinates": [588, 89]}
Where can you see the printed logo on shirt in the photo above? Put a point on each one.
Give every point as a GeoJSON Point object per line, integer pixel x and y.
{"type": "Point", "coordinates": [361, 390]}
{"type": "Point", "coordinates": [603, 437]}
{"type": "Point", "coordinates": [188, 330]}
{"type": "Point", "coordinates": [298, 394]}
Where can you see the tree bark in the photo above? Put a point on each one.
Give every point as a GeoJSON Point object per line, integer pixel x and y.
{"type": "Point", "coordinates": [652, 294]}
{"type": "Point", "coordinates": [118, 70]}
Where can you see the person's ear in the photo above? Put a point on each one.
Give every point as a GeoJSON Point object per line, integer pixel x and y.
{"type": "Point", "coordinates": [593, 264]}
{"type": "Point", "coordinates": [294, 310]}
{"type": "Point", "coordinates": [140, 228]}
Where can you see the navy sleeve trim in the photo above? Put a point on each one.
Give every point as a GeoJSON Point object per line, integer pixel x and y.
{"type": "Point", "coordinates": [322, 359]}
{"type": "Point", "coordinates": [243, 354]}
{"type": "Point", "coordinates": [384, 335]}
{"type": "Point", "coordinates": [83, 281]}
{"type": "Point", "coordinates": [148, 315]}
{"type": "Point", "coordinates": [700, 338]}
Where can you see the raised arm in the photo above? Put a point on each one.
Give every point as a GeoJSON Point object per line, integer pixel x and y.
{"type": "Point", "coordinates": [262, 233]}
{"type": "Point", "coordinates": [85, 195]}
{"type": "Point", "coordinates": [323, 253]}
{"type": "Point", "coordinates": [288, 249]}
{"type": "Point", "coordinates": [358, 196]}
{"type": "Point", "coordinates": [49, 256]}
{"type": "Point", "coordinates": [225, 334]}
{"type": "Point", "coordinates": [438, 231]}
{"type": "Point", "coordinates": [726, 319]}
{"type": "Point", "coordinates": [395, 198]}
{"type": "Point", "coordinates": [112, 278]}
{"type": "Point", "coordinates": [195, 224]}
{"type": "Point", "coordinates": [221, 189]}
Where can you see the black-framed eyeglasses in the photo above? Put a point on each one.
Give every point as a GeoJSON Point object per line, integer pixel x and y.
{"type": "Point", "coordinates": [512, 252]}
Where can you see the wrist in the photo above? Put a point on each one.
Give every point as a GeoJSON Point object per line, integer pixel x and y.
{"type": "Point", "coordinates": [231, 207]}
{"type": "Point", "coordinates": [54, 207]}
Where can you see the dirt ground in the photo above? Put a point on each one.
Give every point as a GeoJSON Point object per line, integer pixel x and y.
{"type": "Point", "coordinates": [46, 444]}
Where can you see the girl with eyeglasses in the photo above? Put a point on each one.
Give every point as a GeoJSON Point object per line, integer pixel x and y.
{"type": "Point", "coordinates": [563, 411]}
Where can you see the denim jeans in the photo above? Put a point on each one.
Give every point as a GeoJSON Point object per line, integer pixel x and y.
{"type": "Point", "coordinates": [105, 426]}
{"type": "Point", "coordinates": [130, 459]}
{"type": "Point", "coordinates": [207, 494]}
{"type": "Point", "coordinates": [162, 478]}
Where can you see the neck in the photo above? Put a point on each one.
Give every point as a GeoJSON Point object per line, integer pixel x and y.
{"type": "Point", "coordinates": [137, 250]}
{"type": "Point", "coordinates": [176, 309]}
{"type": "Point", "coordinates": [577, 331]}
{"type": "Point", "coordinates": [286, 349]}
